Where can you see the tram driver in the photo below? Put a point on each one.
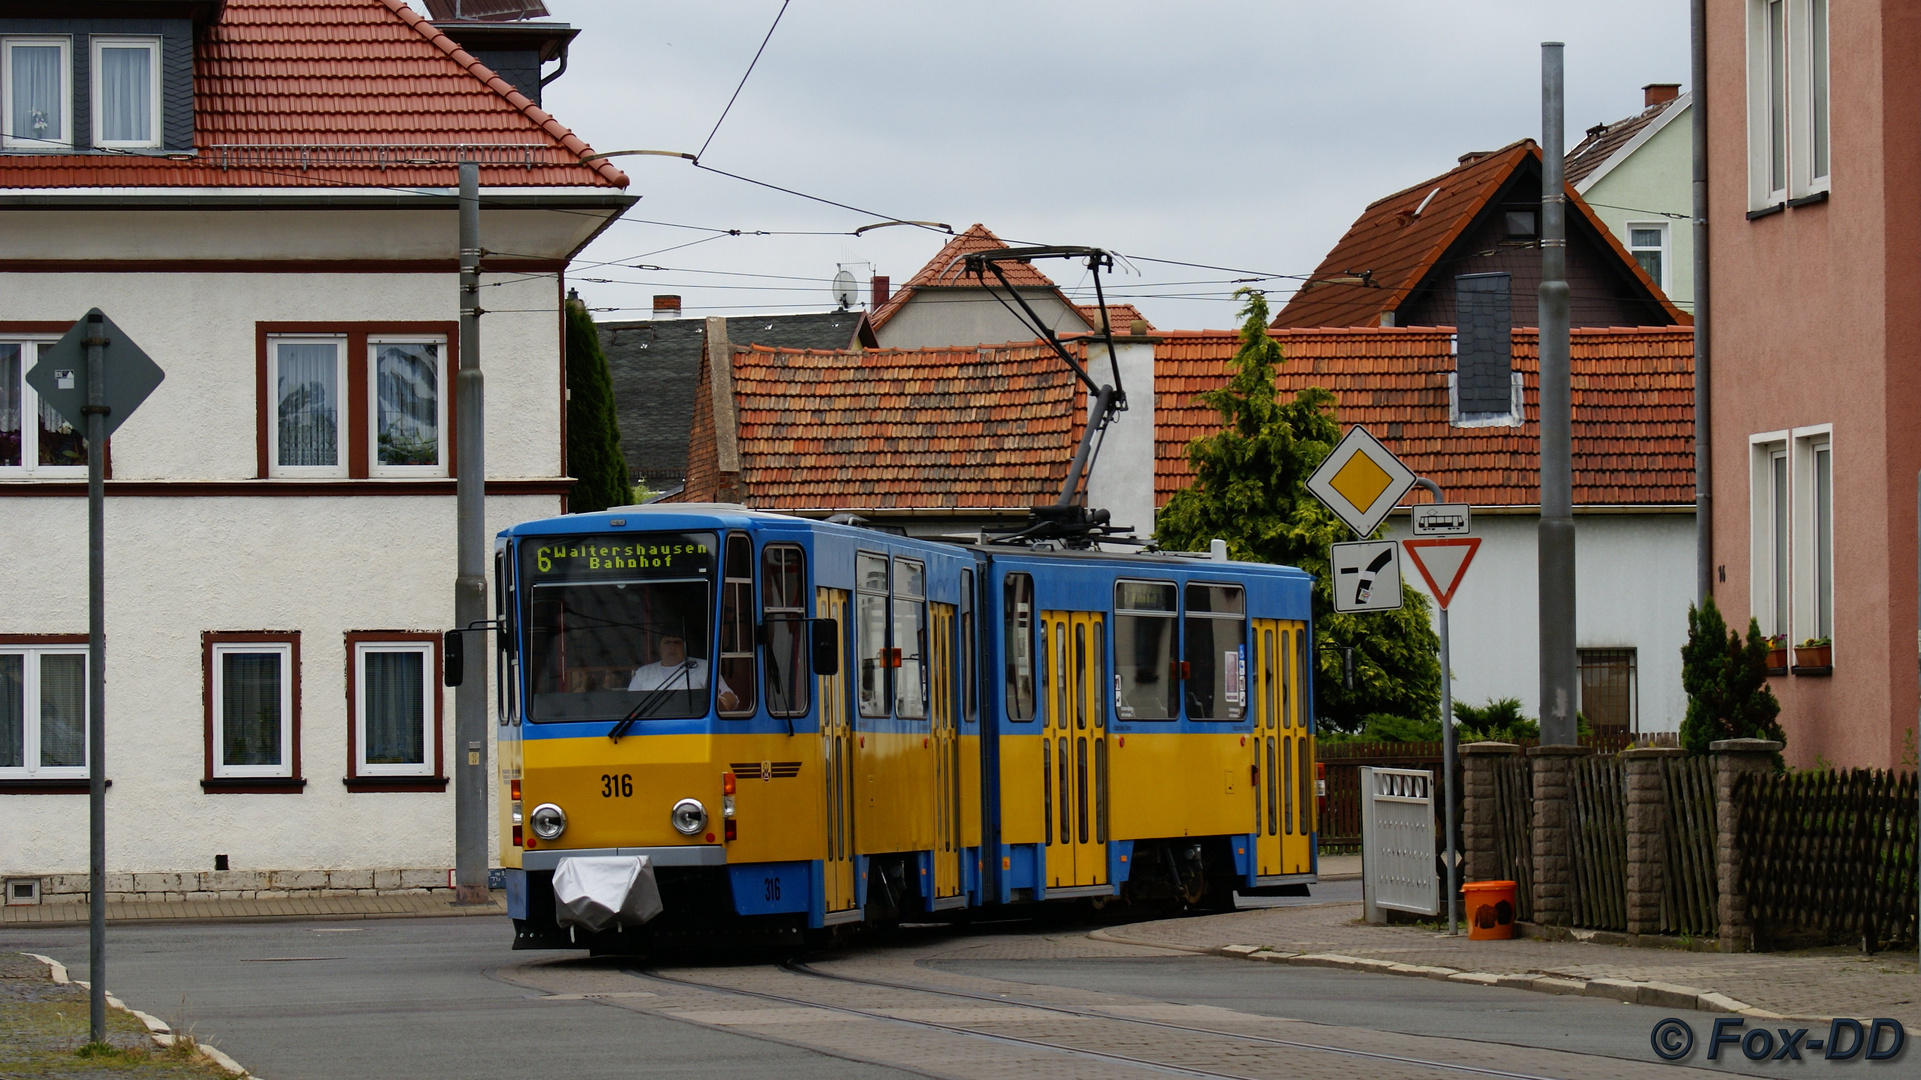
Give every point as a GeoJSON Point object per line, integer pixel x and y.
{"type": "Point", "coordinates": [675, 670]}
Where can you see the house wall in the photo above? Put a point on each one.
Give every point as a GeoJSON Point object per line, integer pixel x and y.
{"type": "Point", "coordinates": [1122, 479]}
{"type": "Point", "coordinates": [1634, 575]}
{"type": "Point", "coordinates": [1659, 176]}
{"type": "Point", "coordinates": [942, 316]}
{"type": "Point", "coordinates": [1813, 323]}
{"type": "Point", "coordinates": [206, 559]}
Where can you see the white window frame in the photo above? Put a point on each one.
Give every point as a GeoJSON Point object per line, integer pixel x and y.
{"type": "Point", "coordinates": [445, 386]}
{"type": "Point", "coordinates": [429, 687]}
{"type": "Point", "coordinates": [152, 44]}
{"type": "Point", "coordinates": [14, 140]}
{"type": "Point", "coordinates": [1797, 28]}
{"type": "Point", "coordinates": [1801, 41]}
{"type": "Point", "coordinates": [1806, 441]}
{"type": "Point", "coordinates": [1764, 449]}
{"type": "Point", "coordinates": [30, 466]}
{"type": "Point", "coordinates": [223, 771]}
{"type": "Point", "coordinates": [30, 715]}
{"type": "Point", "coordinates": [342, 423]}
{"type": "Point", "coordinates": [1666, 249]}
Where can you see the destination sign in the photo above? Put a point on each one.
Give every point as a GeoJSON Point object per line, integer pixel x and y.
{"type": "Point", "coordinates": [619, 557]}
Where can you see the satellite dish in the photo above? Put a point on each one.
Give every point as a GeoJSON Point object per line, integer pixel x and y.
{"type": "Point", "coordinates": [846, 292]}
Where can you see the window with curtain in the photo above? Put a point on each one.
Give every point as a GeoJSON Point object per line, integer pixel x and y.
{"type": "Point", "coordinates": [43, 712]}
{"type": "Point", "coordinates": [126, 92]}
{"type": "Point", "coordinates": [38, 87]}
{"type": "Point", "coordinates": [307, 383]}
{"type": "Point", "coordinates": [1649, 244]}
{"type": "Point", "coordinates": [34, 440]}
{"type": "Point", "coordinates": [407, 404]}
{"type": "Point", "coordinates": [394, 708]}
{"type": "Point", "coordinates": [12, 438]}
{"type": "Point", "coordinates": [253, 709]}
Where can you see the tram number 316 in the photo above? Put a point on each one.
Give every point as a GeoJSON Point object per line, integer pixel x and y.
{"type": "Point", "coordinates": [770, 888]}
{"type": "Point", "coordinates": [617, 787]}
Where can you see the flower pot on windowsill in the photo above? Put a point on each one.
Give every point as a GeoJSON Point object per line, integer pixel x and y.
{"type": "Point", "coordinates": [1814, 659]}
{"type": "Point", "coordinates": [1777, 659]}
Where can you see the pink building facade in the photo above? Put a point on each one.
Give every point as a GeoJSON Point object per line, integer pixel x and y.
{"type": "Point", "coordinates": [1815, 247]}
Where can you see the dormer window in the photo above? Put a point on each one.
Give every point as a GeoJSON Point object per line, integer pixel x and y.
{"type": "Point", "coordinates": [36, 76]}
{"type": "Point", "coordinates": [126, 92]}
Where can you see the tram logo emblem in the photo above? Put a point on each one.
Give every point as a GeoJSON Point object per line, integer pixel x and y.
{"type": "Point", "coordinates": [766, 770]}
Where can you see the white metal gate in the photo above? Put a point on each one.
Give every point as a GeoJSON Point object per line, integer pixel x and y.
{"type": "Point", "coordinates": [1397, 842]}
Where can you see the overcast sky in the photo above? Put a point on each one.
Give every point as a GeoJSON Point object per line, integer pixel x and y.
{"type": "Point", "coordinates": [1245, 135]}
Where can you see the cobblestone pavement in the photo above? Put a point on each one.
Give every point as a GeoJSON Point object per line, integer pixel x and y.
{"type": "Point", "coordinates": [404, 905]}
{"type": "Point", "coordinates": [985, 1028]}
{"type": "Point", "coordinates": [1820, 984]}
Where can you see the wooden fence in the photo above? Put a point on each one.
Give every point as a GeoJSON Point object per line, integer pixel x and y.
{"type": "Point", "coordinates": [1514, 835]}
{"type": "Point", "coordinates": [1690, 897]}
{"type": "Point", "coordinates": [1830, 856]}
{"type": "Point", "coordinates": [1597, 797]}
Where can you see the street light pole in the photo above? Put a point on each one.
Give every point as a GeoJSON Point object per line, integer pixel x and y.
{"type": "Point", "coordinates": [96, 412]}
{"type": "Point", "coordinates": [1556, 530]}
{"type": "Point", "coordinates": [470, 583]}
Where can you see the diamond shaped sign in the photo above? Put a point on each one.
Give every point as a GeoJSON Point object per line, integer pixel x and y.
{"type": "Point", "coordinates": [1360, 481]}
{"type": "Point", "coordinates": [60, 377]}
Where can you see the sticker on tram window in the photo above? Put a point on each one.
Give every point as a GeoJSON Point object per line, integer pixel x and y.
{"type": "Point", "coordinates": [587, 558]}
{"type": "Point", "coordinates": [1121, 708]}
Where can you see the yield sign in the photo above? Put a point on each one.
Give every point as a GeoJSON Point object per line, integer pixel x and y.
{"type": "Point", "coordinates": [1443, 562]}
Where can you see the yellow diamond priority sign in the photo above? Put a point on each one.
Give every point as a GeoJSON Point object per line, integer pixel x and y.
{"type": "Point", "coordinates": [1360, 481]}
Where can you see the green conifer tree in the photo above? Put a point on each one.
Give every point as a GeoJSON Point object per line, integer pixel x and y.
{"type": "Point", "coordinates": [593, 429]}
{"type": "Point", "coordinates": [1726, 683]}
{"type": "Point", "coordinates": [1249, 490]}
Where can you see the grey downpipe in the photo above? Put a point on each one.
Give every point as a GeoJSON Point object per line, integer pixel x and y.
{"type": "Point", "coordinates": [1703, 401]}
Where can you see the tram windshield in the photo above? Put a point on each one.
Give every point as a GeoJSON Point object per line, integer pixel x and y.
{"type": "Point", "coordinates": [619, 626]}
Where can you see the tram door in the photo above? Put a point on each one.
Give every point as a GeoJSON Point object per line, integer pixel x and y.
{"type": "Point", "coordinates": [837, 765]}
{"type": "Point", "coordinates": [946, 746]}
{"type": "Point", "coordinates": [1296, 787]}
{"type": "Point", "coordinates": [1270, 676]}
{"type": "Point", "coordinates": [1074, 675]}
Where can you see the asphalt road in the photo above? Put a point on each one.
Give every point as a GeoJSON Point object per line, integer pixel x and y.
{"type": "Point", "coordinates": [434, 998]}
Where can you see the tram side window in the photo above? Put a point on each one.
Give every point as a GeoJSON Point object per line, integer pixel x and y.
{"type": "Point", "coordinates": [1017, 645]}
{"type": "Point", "coordinates": [1144, 613]}
{"type": "Point", "coordinates": [1216, 652]}
{"type": "Point", "coordinates": [970, 676]}
{"type": "Point", "coordinates": [910, 640]}
{"type": "Point", "coordinates": [783, 600]}
{"type": "Point", "coordinates": [737, 629]}
{"type": "Point", "coordinates": [870, 627]}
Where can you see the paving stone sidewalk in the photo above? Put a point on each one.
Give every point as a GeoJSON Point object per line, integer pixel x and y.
{"type": "Point", "coordinates": [415, 905]}
{"type": "Point", "coordinates": [1811, 984]}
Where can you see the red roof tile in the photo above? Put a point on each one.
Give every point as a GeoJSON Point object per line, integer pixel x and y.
{"type": "Point", "coordinates": [324, 93]}
{"type": "Point", "coordinates": [1633, 422]}
{"type": "Point", "coordinates": [948, 269]}
{"type": "Point", "coordinates": [1119, 316]}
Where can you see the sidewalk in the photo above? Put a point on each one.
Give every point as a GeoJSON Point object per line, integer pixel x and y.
{"type": "Point", "coordinates": [1814, 984]}
{"type": "Point", "coordinates": [401, 906]}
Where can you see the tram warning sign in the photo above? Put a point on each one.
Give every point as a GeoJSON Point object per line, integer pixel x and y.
{"type": "Point", "coordinates": [1442, 562]}
{"type": "Point", "coordinates": [1439, 519]}
{"type": "Point", "coordinates": [1360, 481]}
{"type": "Point", "coordinates": [1367, 575]}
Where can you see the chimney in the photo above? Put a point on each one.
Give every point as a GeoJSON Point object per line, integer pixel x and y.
{"type": "Point", "coordinates": [878, 291]}
{"type": "Point", "coordinates": [1659, 93]}
{"type": "Point", "coordinates": [1473, 156]}
{"type": "Point", "coordinates": [666, 307]}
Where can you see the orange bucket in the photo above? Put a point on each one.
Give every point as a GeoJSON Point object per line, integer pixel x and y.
{"type": "Point", "coordinates": [1490, 910]}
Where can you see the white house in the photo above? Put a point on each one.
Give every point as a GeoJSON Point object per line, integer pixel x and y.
{"type": "Point", "coordinates": [261, 194]}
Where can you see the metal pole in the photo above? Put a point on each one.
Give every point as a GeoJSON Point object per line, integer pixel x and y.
{"type": "Point", "coordinates": [1703, 402]}
{"type": "Point", "coordinates": [470, 584]}
{"type": "Point", "coordinates": [1449, 755]}
{"type": "Point", "coordinates": [96, 415]}
{"type": "Point", "coordinates": [1556, 531]}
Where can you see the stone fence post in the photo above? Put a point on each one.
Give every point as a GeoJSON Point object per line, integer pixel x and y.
{"type": "Point", "coordinates": [1553, 827]}
{"type": "Point", "coordinates": [1480, 809]}
{"type": "Point", "coordinates": [1647, 813]}
{"type": "Point", "coordinates": [1734, 758]}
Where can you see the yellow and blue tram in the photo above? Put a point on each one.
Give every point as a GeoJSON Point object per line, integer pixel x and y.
{"type": "Point", "coordinates": [803, 723]}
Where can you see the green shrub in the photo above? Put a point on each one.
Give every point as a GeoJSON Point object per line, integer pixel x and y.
{"type": "Point", "coordinates": [1727, 683]}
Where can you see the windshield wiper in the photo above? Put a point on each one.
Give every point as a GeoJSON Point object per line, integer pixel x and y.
{"type": "Point", "coordinates": [653, 698]}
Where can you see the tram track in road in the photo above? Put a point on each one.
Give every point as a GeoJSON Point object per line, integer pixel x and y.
{"type": "Point", "coordinates": [1104, 1057]}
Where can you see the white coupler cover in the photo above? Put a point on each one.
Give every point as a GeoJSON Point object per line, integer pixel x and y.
{"type": "Point", "coordinates": [600, 891]}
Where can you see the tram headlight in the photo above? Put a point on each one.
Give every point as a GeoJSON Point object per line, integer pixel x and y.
{"type": "Point", "coordinates": [548, 821]}
{"type": "Point", "coordinates": [689, 817]}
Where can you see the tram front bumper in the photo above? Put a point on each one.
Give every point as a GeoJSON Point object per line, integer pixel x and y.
{"type": "Point", "coordinates": [688, 855]}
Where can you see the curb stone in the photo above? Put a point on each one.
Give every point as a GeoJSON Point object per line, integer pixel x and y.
{"type": "Point", "coordinates": [157, 1028]}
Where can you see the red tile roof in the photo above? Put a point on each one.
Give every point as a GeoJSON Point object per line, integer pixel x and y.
{"type": "Point", "coordinates": [1119, 316]}
{"type": "Point", "coordinates": [1397, 241]}
{"type": "Point", "coordinates": [987, 427]}
{"type": "Point", "coordinates": [1633, 409]}
{"type": "Point", "coordinates": [1602, 140]}
{"type": "Point", "coordinates": [948, 269]}
{"type": "Point", "coordinates": [325, 93]}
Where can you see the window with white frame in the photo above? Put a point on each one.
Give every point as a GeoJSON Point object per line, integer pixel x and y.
{"type": "Point", "coordinates": [1792, 534]}
{"type": "Point", "coordinates": [1814, 535]}
{"type": "Point", "coordinates": [36, 93]}
{"type": "Point", "coordinates": [396, 705]}
{"type": "Point", "coordinates": [1770, 533]}
{"type": "Point", "coordinates": [43, 712]}
{"type": "Point", "coordinates": [1648, 243]}
{"type": "Point", "coordinates": [34, 440]}
{"type": "Point", "coordinates": [307, 377]}
{"type": "Point", "coordinates": [126, 92]}
{"type": "Point", "coordinates": [408, 407]}
{"type": "Point", "coordinates": [252, 705]}
{"type": "Point", "coordinates": [1788, 143]}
